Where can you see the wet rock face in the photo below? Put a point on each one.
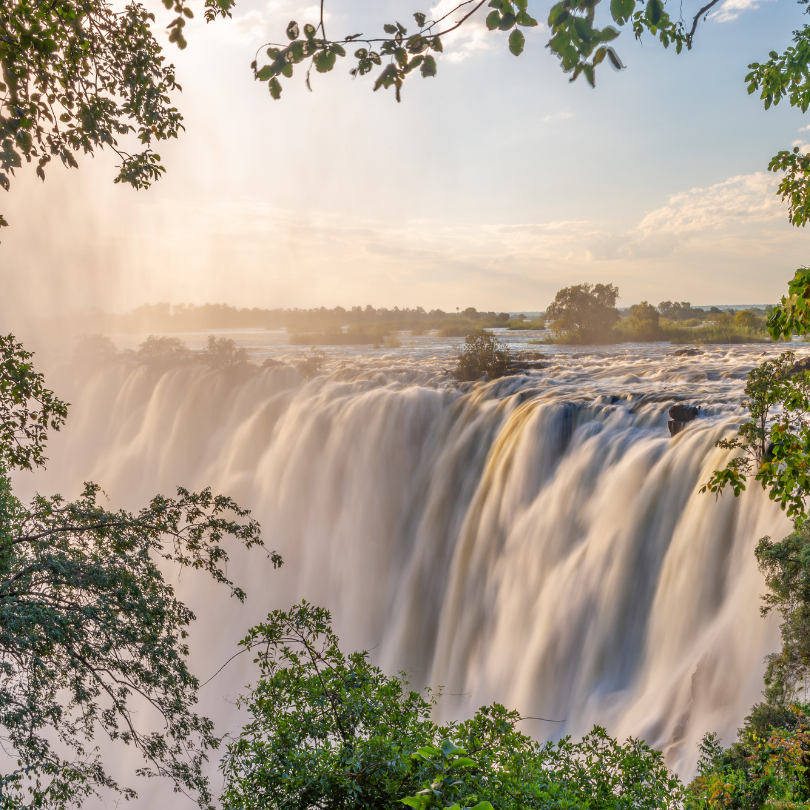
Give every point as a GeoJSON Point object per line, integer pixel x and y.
{"type": "Point", "coordinates": [679, 416]}
{"type": "Point", "coordinates": [683, 413]}
{"type": "Point", "coordinates": [687, 352]}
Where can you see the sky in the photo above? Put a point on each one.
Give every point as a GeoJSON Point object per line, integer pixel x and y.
{"type": "Point", "coordinates": [492, 185]}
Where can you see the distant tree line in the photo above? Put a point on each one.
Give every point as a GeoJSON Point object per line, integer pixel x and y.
{"type": "Point", "coordinates": [587, 313]}
{"type": "Point", "coordinates": [157, 318]}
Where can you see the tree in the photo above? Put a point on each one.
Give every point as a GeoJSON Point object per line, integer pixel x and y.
{"type": "Point", "coordinates": [79, 76]}
{"type": "Point", "coordinates": [482, 354]}
{"type": "Point", "coordinates": [644, 319]}
{"type": "Point", "coordinates": [223, 353]}
{"type": "Point", "coordinates": [163, 350]}
{"type": "Point", "coordinates": [585, 312]}
{"type": "Point", "coordinates": [330, 730]}
{"type": "Point", "coordinates": [772, 442]}
{"type": "Point", "coordinates": [92, 637]}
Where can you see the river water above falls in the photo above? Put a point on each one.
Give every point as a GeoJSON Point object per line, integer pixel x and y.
{"type": "Point", "coordinates": [537, 541]}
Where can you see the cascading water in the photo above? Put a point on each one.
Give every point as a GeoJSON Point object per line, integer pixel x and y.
{"type": "Point", "coordinates": [539, 541]}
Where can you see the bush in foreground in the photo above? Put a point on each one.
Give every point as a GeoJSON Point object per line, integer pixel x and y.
{"type": "Point", "coordinates": [330, 730]}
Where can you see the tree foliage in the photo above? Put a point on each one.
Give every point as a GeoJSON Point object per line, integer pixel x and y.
{"type": "Point", "coordinates": [767, 767]}
{"type": "Point", "coordinates": [774, 443]}
{"type": "Point", "coordinates": [482, 354]}
{"type": "Point", "coordinates": [27, 408]}
{"type": "Point", "coordinates": [92, 637]}
{"type": "Point", "coordinates": [330, 730]}
{"type": "Point", "coordinates": [586, 312]}
{"type": "Point", "coordinates": [223, 353]}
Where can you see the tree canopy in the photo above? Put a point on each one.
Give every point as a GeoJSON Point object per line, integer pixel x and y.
{"type": "Point", "coordinates": [328, 729]}
{"type": "Point", "coordinates": [587, 311]}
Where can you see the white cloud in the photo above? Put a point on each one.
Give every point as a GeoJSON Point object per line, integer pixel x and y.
{"type": "Point", "coordinates": [732, 9]}
{"type": "Point", "coordinates": [738, 200]}
{"type": "Point", "coordinates": [559, 116]}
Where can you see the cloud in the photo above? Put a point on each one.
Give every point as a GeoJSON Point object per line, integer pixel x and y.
{"type": "Point", "coordinates": [739, 200]}
{"type": "Point", "coordinates": [559, 116]}
{"type": "Point", "coordinates": [732, 9]}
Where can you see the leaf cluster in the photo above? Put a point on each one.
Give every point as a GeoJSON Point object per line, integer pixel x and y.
{"type": "Point", "coordinates": [585, 311]}
{"type": "Point", "coordinates": [774, 443]}
{"type": "Point", "coordinates": [27, 408]}
{"type": "Point", "coordinates": [330, 730]}
{"type": "Point", "coordinates": [482, 354]}
{"type": "Point", "coordinates": [93, 640]}
{"type": "Point", "coordinates": [79, 76]}
{"type": "Point", "coordinates": [766, 768]}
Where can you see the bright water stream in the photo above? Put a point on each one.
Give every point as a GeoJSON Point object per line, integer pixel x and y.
{"type": "Point", "coordinates": [539, 540]}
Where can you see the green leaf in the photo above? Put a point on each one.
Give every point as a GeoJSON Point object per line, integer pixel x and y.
{"type": "Point", "coordinates": [292, 30]}
{"type": "Point", "coordinates": [389, 29]}
{"type": "Point", "coordinates": [428, 68]}
{"type": "Point", "coordinates": [525, 19]}
{"type": "Point", "coordinates": [516, 42]}
{"type": "Point", "coordinates": [275, 88]}
{"type": "Point", "coordinates": [420, 19]}
{"type": "Point", "coordinates": [614, 59]}
{"type": "Point", "coordinates": [507, 21]}
{"type": "Point", "coordinates": [622, 10]}
{"type": "Point", "coordinates": [265, 73]}
{"type": "Point", "coordinates": [309, 31]}
{"type": "Point", "coordinates": [493, 20]}
{"type": "Point", "coordinates": [324, 61]}
{"type": "Point", "coordinates": [655, 11]}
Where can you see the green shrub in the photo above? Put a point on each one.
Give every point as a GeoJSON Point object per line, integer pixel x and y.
{"type": "Point", "coordinates": [330, 730]}
{"type": "Point", "coordinates": [457, 328]}
{"type": "Point", "coordinates": [482, 354]}
{"type": "Point", "coordinates": [163, 351]}
{"type": "Point", "coordinates": [223, 353]}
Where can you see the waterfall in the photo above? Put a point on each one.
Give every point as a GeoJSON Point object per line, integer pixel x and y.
{"type": "Point", "coordinates": [539, 541]}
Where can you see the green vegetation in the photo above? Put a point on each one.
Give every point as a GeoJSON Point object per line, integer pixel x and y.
{"type": "Point", "coordinates": [223, 353]}
{"type": "Point", "coordinates": [330, 730]}
{"type": "Point", "coordinates": [89, 626]}
{"type": "Point", "coordinates": [300, 323]}
{"type": "Point", "coordinates": [482, 354]}
{"type": "Point", "coordinates": [584, 313]}
{"type": "Point", "coordinates": [769, 764]}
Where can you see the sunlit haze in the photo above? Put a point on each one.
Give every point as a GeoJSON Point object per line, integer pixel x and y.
{"type": "Point", "coordinates": [492, 185]}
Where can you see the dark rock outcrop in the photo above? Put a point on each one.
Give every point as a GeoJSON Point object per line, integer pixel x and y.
{"type": "Point", "coordinates": [687, 352]}
{"type": "Point", "coordinates": [679, 416]}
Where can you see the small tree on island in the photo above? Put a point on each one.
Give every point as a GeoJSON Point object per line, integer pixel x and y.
{"type": "Point", "coordinates": [223, 353]}
{"type": "Point", "coordinates": [584, 313]}
{"type": "Point", "coordinates": [482, 354]}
